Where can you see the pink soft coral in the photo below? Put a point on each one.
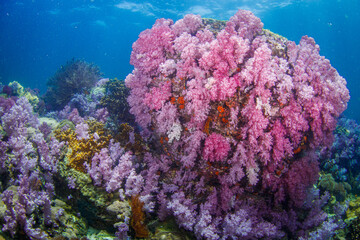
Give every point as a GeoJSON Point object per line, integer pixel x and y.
{"type": "Point", "coordinates": [149, 51]}
{"type": "Point", "coordinates": [157, 96]}
{"type": "Point", "coordinates": [216, 148]}
{"type": "Point", "coordinates": [246, 105]}
{"type": "Point", "coordinates": [319, 88]}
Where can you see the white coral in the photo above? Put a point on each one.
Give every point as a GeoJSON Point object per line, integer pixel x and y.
{"type": "Point", "coordinates": [174, 132]}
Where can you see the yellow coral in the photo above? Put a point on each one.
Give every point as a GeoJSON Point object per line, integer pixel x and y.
{"type": "Point", "coordinates": [353, 211]}
{"type": "Point", "coordinates": [21, 92]}
{"type": "Point", "coordinates": [33, 99]}
{"type": "Point", "coordinates": [82, 150]}
{"type": "Point", "coordinates": [19, 88]}
{"type": "Point", "coordinates": [339, 189]}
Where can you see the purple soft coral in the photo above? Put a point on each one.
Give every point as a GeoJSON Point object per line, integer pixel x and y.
{"type": "Point", "coordinates": [111, 167]}
{"type": "Point", "coordinates": [28, 163]}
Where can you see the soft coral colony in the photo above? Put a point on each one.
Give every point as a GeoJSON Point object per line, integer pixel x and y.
{"type": "Point", "coordinates": [231, 115]}
{"type": "Point", "coordinates": [238, 113]}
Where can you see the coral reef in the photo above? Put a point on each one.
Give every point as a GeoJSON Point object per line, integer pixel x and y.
{"type": "Point", "coordinates": [232, 127]}
{"type": "Point", "coordinates": [69, 225]}
{"type": "Point", "coordinates": [76, 76]}
{"type": "Point", "coordinates": [43, 195]}
{"type": "Point", "coordinates": [28, 163]}
{"type": "Point", "coordinates": [239, 111]}
{"type": "Point", "coordinates": [338, 189]}
{"type": "Point", "coordinates": [15, 89]}
{"type": "Point", "coordinates": [342, 160]}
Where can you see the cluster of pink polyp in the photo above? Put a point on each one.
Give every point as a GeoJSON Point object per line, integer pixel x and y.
{"type": "Point", "coordinates": [235, 111]}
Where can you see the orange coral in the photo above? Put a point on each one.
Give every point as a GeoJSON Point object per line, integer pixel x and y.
{"type": "Point", "coordinates": [207, 125]}
{"type": "Point", "coordinates": [303, 145]}
{"type": "Point", "coordinates": [172, 100]}
{"type": "Point", "coordinates": [162, 140]}
{"type": "Point", "coordinates": [138, 218]}
{"type": "Point", "coordinates": [224, 120]}
{"type": "Point", "coordinates": [181, 100]}
{"type": "Point", "coordinates": [220, 109]}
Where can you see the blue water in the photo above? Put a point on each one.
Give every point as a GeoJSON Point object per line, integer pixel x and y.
{"type": "Point", "coordinates": [38, 36]}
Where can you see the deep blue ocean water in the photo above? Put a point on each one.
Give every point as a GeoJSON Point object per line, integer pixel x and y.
{"type": "Point", "coordinates": [38, 36]}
